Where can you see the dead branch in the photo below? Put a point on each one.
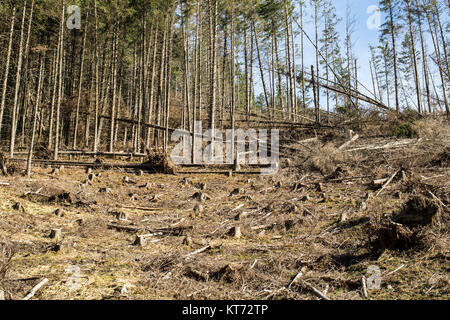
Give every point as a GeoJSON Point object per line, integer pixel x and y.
{"type": "Point", "coordinates": [35, 289]}
{"type": "Point", "coordinates": [356, 137]}
{"type": "Point", "coordinates": [316, 292]}
{"type": "Point", "coordinates": [198, 251]}
{"type": "Point", "coordinates": [124, 228]}
{"type": "Point", "coordinates": [300, 274]}
{"type": "Point", "coordinates": [387, 183]}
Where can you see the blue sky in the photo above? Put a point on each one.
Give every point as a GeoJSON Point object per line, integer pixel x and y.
{"type": "Point", "coordinates": [362, 37]}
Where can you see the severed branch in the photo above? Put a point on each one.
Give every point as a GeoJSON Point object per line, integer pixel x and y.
{"type": "Point", "coordinates": [142, 208]}
{"type": "Point", "coordinates": [387, 183]}
{"type": "Point", "coordinates": [437, 199]}
{"type": "Point", "coordinates": [198, 251]}
{"type": "Point", "coordinates": [300, 274]}
{"type": "Point", "coordinates": [316, 292]}
{"type": "Point", "coordinates": [35, 289]}
{"type": "Point", "coordinates": [356, 137]}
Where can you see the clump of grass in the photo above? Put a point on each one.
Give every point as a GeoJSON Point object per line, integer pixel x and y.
{"type": "Point", "coordinates": [324, 159]}
{"type": "Point", "coordinates": [436, 129]}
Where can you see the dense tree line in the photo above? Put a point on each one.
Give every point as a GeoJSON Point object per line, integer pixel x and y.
{"type": "Point", "coordinates": [136, 68]}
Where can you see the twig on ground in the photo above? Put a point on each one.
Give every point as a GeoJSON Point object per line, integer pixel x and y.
{"type": "Point", "coordinates": [295, 279]}
{"type": "Point", "coordinates": [35, 289]}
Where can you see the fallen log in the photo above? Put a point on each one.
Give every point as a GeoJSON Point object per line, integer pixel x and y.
{"type": "Point", "coordinates": [175, 231]}
{"type": "Point", "coordinates": [124, 228]}
{"type": "Point", "coordinates": [137, 166]}
{"type": "Point", "coordinates": [197, 251]}
{"type": "Point", "coordinates": [142, 208]}
{"type": "Point", "coordinates": [266, 226]}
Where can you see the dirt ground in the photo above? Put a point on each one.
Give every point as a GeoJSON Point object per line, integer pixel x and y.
{"type": "Point", "coordinates": [317, 228]}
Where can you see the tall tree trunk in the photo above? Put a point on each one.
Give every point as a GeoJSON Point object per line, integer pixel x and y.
{"type": "Point", "coordinates": [35, 113]}
{"type": "Point", "coordinates": [394, 52]}
{"type": "Point", "coordinates": [17, 87]}
{"type": "Point", "coordinates": [294, 73]}
{"type": "Point", "coordinates": [8, 58]}
{"type": "Point", "coordinates": [80, 85]}
{"type": "Point", "coordinates": [186, 73]}
{"type": "Point", "coordinates": [260, 66]}
{"type": "Point", "coordinates": [55, 88]}
{"type": "Point", "coordinates": [213, 55]}
{"type": "Point", "coordinates": [151, 89]}
{"type": "Point", "coordinates": [414, 58]}
{"type": "Point", "coordinates": [291, 109]}
{"type": "Point", "coordinates": [316, 105]}
{"type": "Point", "coordinates": [303, 56]}
{"type": "Point", "coordinates": [160, 97]}
{"type": "Point", "coordinates": [316, 24]}
{"type": "Point", "coordinates": [424, 58]}
{"type": "Point", "coordinates": [114, 87]}
{"type": "Point", "coordinates": [280, 83]}
{"type": "Point", "coordinates": [60, 85]}
{"type": "Point", "coordinates": [168, 76]}
{"type": "Point", "coordinates": [95, 148]}
{"type": "Point", "coordinates": [232, 73]}
{"type": "Point", "coordinates": [442, 35]}
{"type": "Point", "coordinates": [247, 91]}
{"type": "Point", "coordinates": [224, 66]}
{"type": "Point", "coordinates": [439, 63]}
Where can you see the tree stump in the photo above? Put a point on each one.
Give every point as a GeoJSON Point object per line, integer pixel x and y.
{"type": "Point", "coordinates": [56, 234]}
{"type": "Point", "coordinates": [59, 212]}
{"type": "Point", "coordinates": [141, 241]}
{"type": "Point", "coordinates": [19, 207]}
{"type": "Point", "coordinates": [187, 241]}
{"type": "Point", "coordinates": [198, 209]}
{"type": "Point", "coordinates": [235, 232]}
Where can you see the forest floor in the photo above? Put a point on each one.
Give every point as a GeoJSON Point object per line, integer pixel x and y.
{"type": "Point", "coordinates": [317, 228]}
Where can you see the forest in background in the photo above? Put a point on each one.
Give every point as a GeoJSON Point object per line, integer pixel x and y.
{"type": "Point", "coordinates": [358, 206]}
{"type": "Point", "coordinates": [136, 69]}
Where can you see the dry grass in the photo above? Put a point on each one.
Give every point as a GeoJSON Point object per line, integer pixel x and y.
{"type": "Point", "coordinates": [331, 230]}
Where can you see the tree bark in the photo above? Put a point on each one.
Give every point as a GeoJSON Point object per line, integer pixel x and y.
{"type": "Point", "coordinates": [8, 59]}
{"type": "Point", "coordinates": [17, 87]}
{"type": "Point", "coordinates": [35, 113]}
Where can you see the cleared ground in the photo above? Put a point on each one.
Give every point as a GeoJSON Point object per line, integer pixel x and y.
{"type": "Point", "coordinates": [313, 229]}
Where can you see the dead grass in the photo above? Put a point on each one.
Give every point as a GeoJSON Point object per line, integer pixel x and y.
{"type": "Point", "coordinates": [318, 217]}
